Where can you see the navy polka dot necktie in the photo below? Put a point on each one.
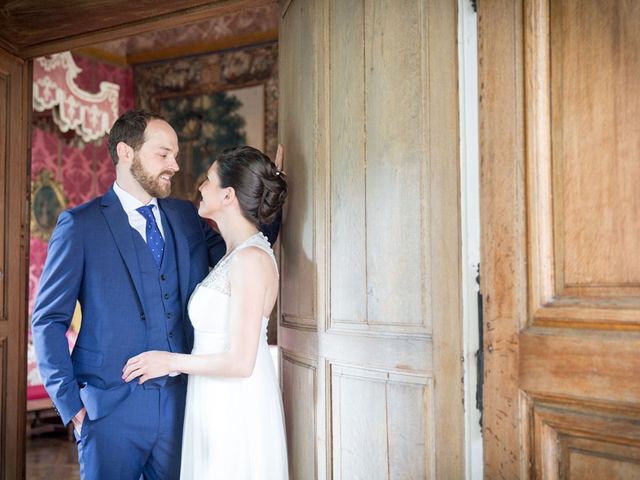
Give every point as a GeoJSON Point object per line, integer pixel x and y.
{"type": "Point", "coordinates": [155, 242]}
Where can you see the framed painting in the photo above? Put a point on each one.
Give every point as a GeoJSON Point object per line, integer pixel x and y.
{"type": "Point", "coordinates": [47, 201]}
{"type": "Point", "coordinates": [209, 122]}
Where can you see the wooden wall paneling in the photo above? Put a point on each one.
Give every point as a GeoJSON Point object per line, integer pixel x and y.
{"type": "Point", "coordinates": [578, 273]}
{"type": "Point", "coordinates": [298, 120]}
{"type": "Point", "coordinates": [557, 94]}
{"type": "Point", "coordinates": [584, 365]}
{"type": "Point", "coordinates": [397, 163]}
{"type": "Point", "coordinates": [347, 139]}
{"type": "Point", "coordinates": [15, 97]}
{"type": "Point", "coordinates": [398, 434]}
{"type": "Point", "coordinates": [502, 216]}
{"type": "Point", "coordinates": [299, 379]}
{"type": "Point", "coordinates": [302, 121]}
{"type": "Point", "coordinates": [595, 106]}
{"type": "Point", "coordinates": [48, 40]}
{"type": "Point", "coordinates": [576, 440]}
{"type": "Point", "coordinates": [444, 269]}
{"type": "Point", "coordinates": [5, 95]}
{"type": "Point", "coordinates": [385, 227]}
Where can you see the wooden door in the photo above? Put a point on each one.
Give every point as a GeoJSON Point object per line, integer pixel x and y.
{"type": "Point", "coordinates": [370, 309]}
{"type": "Point", "coordinates": [560, 208]}
{"type": "Point", "coordinates": [15, 97]}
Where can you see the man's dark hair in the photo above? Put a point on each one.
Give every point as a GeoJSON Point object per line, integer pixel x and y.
{"type": "Point", "coordinates": [129, 128]}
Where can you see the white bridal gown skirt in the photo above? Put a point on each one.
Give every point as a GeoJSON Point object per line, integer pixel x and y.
{"type": "Point", "coordinates": [234, 428]}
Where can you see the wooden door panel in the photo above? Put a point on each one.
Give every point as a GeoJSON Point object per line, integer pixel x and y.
{"type": "Point", "coordinates": [374, 176]}
{"type": "Point", "coordinates": [561, 275]}
{"type": "Point", "coordinates": [580, 365]}
{"type": "Point", "coordinates": [582, 440]}
{"type": "Point", "coordinates": [15, 95]}
{"type": "Point", "coordinates": [595, 66]}
{"type": "Point", "coordinates": [378, 176]}
{"type": "Point", "coordinates": [299, 395]}
{"type": "Point", "coordinates": [298, 130]}
{"type": "Point", "coordinates": [581, 72]}
{"type": "Point", "coordinates": [399, 434]}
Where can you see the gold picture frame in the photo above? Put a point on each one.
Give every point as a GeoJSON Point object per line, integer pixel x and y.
{"type": "Point", "coordinates": [47, 202]}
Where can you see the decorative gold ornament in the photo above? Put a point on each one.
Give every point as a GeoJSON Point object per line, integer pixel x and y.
{"type": "Point", "coordinates": [47, 202]}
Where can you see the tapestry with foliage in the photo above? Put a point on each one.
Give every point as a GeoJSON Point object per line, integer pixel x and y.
{"type": "Point", "coordinates": [197, 96]}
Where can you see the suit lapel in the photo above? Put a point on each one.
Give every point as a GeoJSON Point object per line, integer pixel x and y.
{"type": "Point", "coordinates": [121, 231]}
{"type": "Point", "coordinates": [183, 258]}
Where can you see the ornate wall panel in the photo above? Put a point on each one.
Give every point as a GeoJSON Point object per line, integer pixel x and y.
{"type": "Point", "coordinates": [371, 246]}
{"type": "Point", "coordinates": [4, 105]}
{"type": "Point", "coordinates": [391, 438]}
{"type": "Point", "coordinates": [3, 378]}
{"type": "Point", "coordinates": [379, 179]}
{"type": "Point", "coordinates": [582, 441]}
{"type": "Point", "coordinates": [582, 162]}
{"type": "Point", "coordinates": [559, 99]}
{"type": "Point", "coordinates": [14, 234]}
{"type": "Point", "coordinates": [299, 397]}
{"type": "Point", "coordinates": [299, 134]}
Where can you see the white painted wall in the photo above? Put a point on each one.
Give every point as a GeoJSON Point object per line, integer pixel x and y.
{"type": "Point", "coordinates": [470, 228]}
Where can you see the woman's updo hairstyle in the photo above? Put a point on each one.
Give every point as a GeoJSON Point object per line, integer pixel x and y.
{"type": "Point", "coordinates": [259, 186]}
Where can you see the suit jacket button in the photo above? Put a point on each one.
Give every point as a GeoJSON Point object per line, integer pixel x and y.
{"type": "Point", "coordinates": [142, 316]}
{"type": "Point", "coordinates": [163, 277]}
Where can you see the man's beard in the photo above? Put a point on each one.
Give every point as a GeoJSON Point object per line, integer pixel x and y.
{"type": "Point", "coordinates": [151, 184]}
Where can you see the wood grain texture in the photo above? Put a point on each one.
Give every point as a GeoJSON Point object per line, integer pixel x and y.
{"type": "Point", "coordinates": [596, 102]}
{"type": "Point", "coordinates": [576, 440]}
{"type": "Point", "coordinates": [348, 140]}
{"type": "Point", "coordinates": [396, 73]}
{"type": "Point", "coordinates": [32, 28]}
{"type": "Point", "coordinates": [581, 159]}
{"type": "Point", "coordinates": [396, 440]}
{"type": "Point", "coordinates": [15, 98]}
{"type": "Point", "coordinates": [581, 365]}
{"type": "Point", "coordinates": [298, 120]}
{"type": "Point", "coordinates": [561, 302]}
{"type": "Point", "coordinates": [299, 378]}
{"type": "Point", "coordinates": [502, 217]}
{"type": "Point", "coordinates": [4, 117]}
{"type": "Point", "coordinates": [382, 157]}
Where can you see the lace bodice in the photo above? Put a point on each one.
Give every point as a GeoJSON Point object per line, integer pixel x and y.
{"type": "Point", "coordinates": [209, 303]}
{"type": "Point", "coordinates": [218, 278]}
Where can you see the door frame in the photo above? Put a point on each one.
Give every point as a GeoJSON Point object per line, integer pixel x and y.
{"type": "Point", "coordinates": [467, 121]}
{"type": "Point", "coordinates": [470, 234]}
{"type": "Point", "coordinates": [19, 202]}
{"type": "Point", "coordinates": [15, 121]}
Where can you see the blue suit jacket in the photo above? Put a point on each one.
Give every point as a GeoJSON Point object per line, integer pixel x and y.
{"type": "Point", "coordinates": [91, 259]}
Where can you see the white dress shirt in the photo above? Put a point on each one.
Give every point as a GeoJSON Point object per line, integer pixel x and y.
{"type": "Point", "coordinates": [136, 220]}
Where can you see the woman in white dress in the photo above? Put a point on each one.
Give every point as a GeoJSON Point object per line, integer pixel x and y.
{"type": "Point", "coordinates": [234, 424]}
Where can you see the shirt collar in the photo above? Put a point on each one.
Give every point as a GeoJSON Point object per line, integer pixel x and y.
{"type": "Point", "coordinates": [128, 201]}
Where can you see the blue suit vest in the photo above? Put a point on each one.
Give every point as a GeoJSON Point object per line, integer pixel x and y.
{"type": "Point", "coordinates": [161, 295]}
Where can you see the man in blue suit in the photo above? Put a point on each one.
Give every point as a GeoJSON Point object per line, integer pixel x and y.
{"type": "Point", "coordinates": [131, 258]}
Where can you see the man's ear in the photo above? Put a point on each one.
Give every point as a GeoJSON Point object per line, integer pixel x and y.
{"type": "Point", "coordinates": [124, 151]}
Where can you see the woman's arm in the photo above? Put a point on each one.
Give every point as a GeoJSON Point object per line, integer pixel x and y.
{"type": "Point", "coordinates": [250, 274]}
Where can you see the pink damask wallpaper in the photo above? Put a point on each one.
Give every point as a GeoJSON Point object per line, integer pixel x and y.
{"type": "Point", "coordinates": [83, 170]}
